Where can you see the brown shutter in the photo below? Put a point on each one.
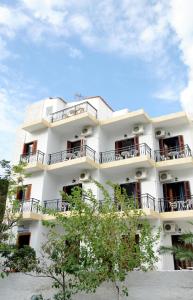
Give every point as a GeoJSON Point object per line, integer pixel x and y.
{"type": "Point", "coordinates": [138, 193]}
{"type": "Point", "coordinates": [118, 146]}
{"type": "Point", "coordinates": [161, 146]}
{"type": "Point", "coordinates": [69, 145]}
{"type": "Point", "coordinates": [165, 190]}
{"type": "Point", "coordinates": [24, 149]}
{"type": "Point", "coordinates": [18, 193]}
{"type": "Point", "coordinates": [28, 192]}
{"type": "Point", "coordinates": [181, 142]}
{"type": "Point", "coordinates": [136, 143]}
{"type": "Point", "coordinates": [187, 191]}
{"type": "Point", "coordinates": [34, 147]}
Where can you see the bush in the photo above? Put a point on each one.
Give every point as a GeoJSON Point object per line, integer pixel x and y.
{"type": "Point", "coordinates": [20, 260]}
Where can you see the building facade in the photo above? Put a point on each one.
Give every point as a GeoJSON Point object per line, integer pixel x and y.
{"type": "Point", "coordinates": [67, 144]}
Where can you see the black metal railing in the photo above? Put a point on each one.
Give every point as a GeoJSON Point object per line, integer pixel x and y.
{"type": "Point", "coordinates": [175, 204]}
{"type": "Point", "coordinates": [172, 153]}
{"type": "Point", "coordinates": [31, 205]}
{"type": "Point", "coordinates": [37, 156]}
{"type": "Point", "coordinates": [125, 152]}
{"type": "Point", "coordinates": [57, 204]}
{"type": "Point", "coordinates": [71, 153]}
{"type": "Point", "coordinates": [73, 110]}
{"type": "Point", "coordinates": [140, 201]}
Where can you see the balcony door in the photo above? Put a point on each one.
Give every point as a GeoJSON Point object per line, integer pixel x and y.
{"type": "Point", "coordinates": [133, 190]}
{"type": "Point", "coordinates": [176, 192]}
{"type": "Point", "coordinates": [126, 144]}
{"type": "Point", "coordinates": [171, 144]}
{"type": "Point", "coordinates": [67, 189]}
{"type": "Point", "coordinates": [23, 239]}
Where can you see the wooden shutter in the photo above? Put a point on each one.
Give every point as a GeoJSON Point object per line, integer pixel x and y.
{"type": "Point", "coordinates": [28, 192]}
{"type": "Point", "coordinates": [136, 143]}
{"type": "Point", "coordinates": [69, 145]}
{"type": "Point", "coordinates": [165, 191]}
{"type": "Point", "coordinates": [138, 193]}
{"type": "Point", "coordinates": [187, 191]}
{"type": "Point", "coordinates": [118, 146]}
{"type": "Point", "coordinates": [34, 147]}
{"type": "Point", "coordinates": [24, 149]}
{"type": "Point", "coordinates": [181, 142]}
{"type": "Point", "coordinates": [161, 146]}
{"type": "Point", "coordinates": [18, 193]}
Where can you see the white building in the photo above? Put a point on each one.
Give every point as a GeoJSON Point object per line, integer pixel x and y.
{"type": "Point", "coordinates": [65, 144]}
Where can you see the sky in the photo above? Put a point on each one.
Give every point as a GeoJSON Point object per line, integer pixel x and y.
{"type": "Point", "coordinates": [133, 53]}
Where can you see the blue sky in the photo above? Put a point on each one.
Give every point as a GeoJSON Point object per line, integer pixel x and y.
{"type": "Point", "coordinates": [135, 54]}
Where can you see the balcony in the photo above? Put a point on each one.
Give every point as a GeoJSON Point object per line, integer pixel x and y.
{"type": "Point", "coordinates": [135, 156]}
{"type": "Point", "coordinates": [84, 114]}
{"type": "Point", "coordinates": [34, 161]}
{"type": "Point", "coordinates": [30, 209]}
{"type": "Point", "coordinates": [82, 157]}
{"type": "Point", "coordinates": [36, 125]}
{"type": "Point", "coordinates": [174, 157]}
{"type": "Point", "coordinates": [179, 207]}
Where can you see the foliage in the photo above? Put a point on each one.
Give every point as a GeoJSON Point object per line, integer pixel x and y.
{"type": "Point", "coordinates": [20, 260]}
{"type": "Point", "coordinates": [96, 242]}
{"type": "Point", "coordinates": [182, 251]}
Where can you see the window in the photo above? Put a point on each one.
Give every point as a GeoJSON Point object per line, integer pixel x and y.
{"type": "Point", "coordinates": [24, 193]}
{"type": "Point", "coordinates": [30, 148]}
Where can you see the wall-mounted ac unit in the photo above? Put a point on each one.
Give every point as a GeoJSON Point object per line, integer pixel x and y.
{"type": "Point", "coordinates": [160, 133]}
{"type": "Point", "coordinates": [165, 176]}
{"type": "Point", "coordinates": [138, 129]}
{"type": "Point", "coordinates": [169, 227]}
{"type": "Point", "coordinates": [87, 131]}
{"type": "Point", "coordinates": [84, 176]}
{"type": "Point", "coordinates": [140, 174]}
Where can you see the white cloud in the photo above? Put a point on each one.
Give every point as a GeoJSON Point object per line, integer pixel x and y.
{"type": "Point", "coordinates": [168, 94]}
{"type": "Point", "coordinates": [182, 23]}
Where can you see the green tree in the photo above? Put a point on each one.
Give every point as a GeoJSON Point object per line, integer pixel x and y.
{"type": "Point", "coordinates": [10, 214]}
{"type": "Point", "coordinates": [95, 242]}
{"type": "Point", "coordinates": [4, 184]}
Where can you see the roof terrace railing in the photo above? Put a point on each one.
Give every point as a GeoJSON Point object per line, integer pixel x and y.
{"type": "Point", "coordinates": [73, 111]}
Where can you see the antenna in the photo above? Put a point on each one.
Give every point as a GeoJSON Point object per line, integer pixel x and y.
{"type": "Point", "coordinates": [78, 96]}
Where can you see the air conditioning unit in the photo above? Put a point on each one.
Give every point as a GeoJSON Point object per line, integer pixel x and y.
{"type": "Point", "coordinates": [160, 133]}
{"type": "Point", "coordinates": [140, 174]}
{"type": "Point", "coordinates": [84, 176]}
{"type": "Point", "coordinates": [165, 176]}
{"type": "Point", "coordinates": [87, 131]}
{"type": "Point", "coordinates": [138, 129]}
{"type": "Point", "coordinates": [169, 227]}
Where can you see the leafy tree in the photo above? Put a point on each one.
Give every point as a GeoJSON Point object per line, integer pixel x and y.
{"type": "Point", "coordinates": [10, 214]}
{"type": "Point", "coordinates": [94, 243]}
{"type": "Point", "coordinates": [4, 183]}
